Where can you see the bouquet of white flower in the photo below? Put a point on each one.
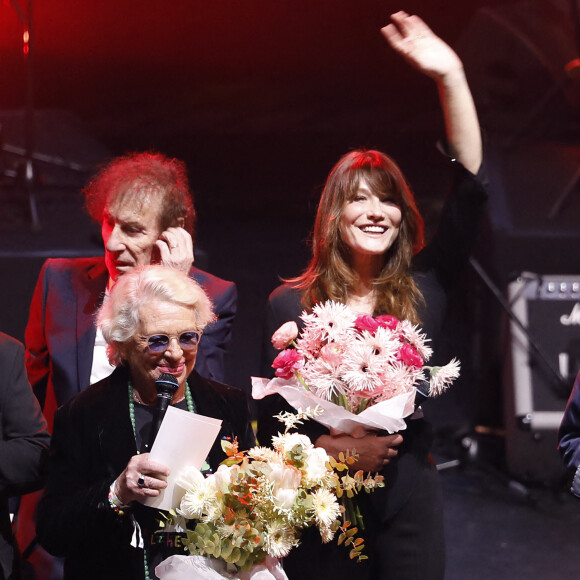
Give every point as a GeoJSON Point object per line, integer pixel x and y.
{"type": "Point", "coordinates": [254, 507]}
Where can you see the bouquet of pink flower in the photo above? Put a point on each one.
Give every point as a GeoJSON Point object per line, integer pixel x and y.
{"type": "Point", "coordinates": [363, 371]}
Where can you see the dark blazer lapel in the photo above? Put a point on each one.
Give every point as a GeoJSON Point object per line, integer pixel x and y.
{"type": "Point", "coordinates": [207, 401]}
{"type": "Point", "coordinates": [211, 403]}
{"type": "Point", "coordinates": [116, 436]}
{"type": "Point", "coordinates": [90, 292]}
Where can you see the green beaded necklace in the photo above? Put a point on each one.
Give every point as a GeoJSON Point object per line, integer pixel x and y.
{"type": "Point", "coordinates": [190, 407]}
{"type": "Point", "coordinates": [188, 398]}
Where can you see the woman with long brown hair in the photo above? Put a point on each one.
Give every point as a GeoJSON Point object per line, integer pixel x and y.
{"type": "Point", "coordinates": [368, 253]}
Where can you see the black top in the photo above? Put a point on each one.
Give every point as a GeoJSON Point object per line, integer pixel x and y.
{"type": "Point", "coordinates": [408, 478]}
{"type": "Point", "coordinates": [436, 269]}
{"type": "Point", "coordinates": [92, 443]}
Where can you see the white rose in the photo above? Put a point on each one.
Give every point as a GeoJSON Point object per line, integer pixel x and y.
{"type": "Point", "coordinates": [286, 482]}
{"type": "Point", "coordinates": [316, 460]}
{"type": "Point", "coordinates": [223, 478]}
{"type": "Point", "coordinates": [288, 441]}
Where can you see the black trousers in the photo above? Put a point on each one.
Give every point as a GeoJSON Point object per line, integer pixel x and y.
{"type": "Point", "coordinates": [404, 536]}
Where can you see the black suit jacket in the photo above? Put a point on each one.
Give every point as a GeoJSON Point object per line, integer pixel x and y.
{"type": "Point", "coordinates": [60, 334]}
{"type": "Point", "coordinates": [24, 442]}
{"type": "Point", "coordinates": [92, 443]}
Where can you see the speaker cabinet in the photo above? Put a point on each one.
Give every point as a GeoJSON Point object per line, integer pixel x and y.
{"type": "Point", "coordinates": [535, 396]}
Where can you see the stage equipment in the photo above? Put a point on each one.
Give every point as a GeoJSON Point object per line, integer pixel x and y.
{"type": "Point", "coordinates": [543, 358]}
{"type": "Point", "coordinates": [27, 176]}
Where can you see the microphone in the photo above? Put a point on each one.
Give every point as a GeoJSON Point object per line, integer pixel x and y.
{"type": "Point", "coordinates": [166, 386]}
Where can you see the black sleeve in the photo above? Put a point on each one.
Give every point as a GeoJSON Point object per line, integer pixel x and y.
{"type": "Point", "coordinates": [243, 426]}
{"type": "Point", "coordinates": [449, 250]}
{"type": "Point", "coordinates": [25, 439]}
{"type": "Point", "coordinates": [74, 512]}
{"type": "Point", "coordinates": [229, 404]}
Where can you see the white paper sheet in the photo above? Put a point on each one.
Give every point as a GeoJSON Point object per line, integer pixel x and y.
{"type": "Point", "coordinates": [183, 439]}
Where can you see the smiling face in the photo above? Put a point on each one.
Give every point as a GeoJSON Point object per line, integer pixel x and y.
{"type": "Point", "coordinates": [369, 223]}
{"type": "Point", "coordinates": [160, 317]}
{"type": "Point", "coordinates": [130, 228]}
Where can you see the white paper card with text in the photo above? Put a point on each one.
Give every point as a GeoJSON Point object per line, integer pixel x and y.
{"type": "Point", "coordinates": [183, 439]}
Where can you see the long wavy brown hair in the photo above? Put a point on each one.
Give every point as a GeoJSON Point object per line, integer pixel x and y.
{"type": "Point", "coordinates": [330, 274]}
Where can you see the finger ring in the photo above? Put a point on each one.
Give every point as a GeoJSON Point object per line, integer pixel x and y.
{"type": "Point", "coordinates": [174, 246]}
{"type": "Point", "coordinates": [141, 480]}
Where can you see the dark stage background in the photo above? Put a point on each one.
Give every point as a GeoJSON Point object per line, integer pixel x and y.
{"type": "Point", "coordinates": [260, 98]}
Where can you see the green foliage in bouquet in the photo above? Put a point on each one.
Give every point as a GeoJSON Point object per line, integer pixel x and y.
{"type": "Point", "coordinates": [259, 501]}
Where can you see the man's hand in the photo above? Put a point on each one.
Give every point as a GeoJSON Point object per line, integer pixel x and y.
{"type": "Point", "coordinates": [176, 249]}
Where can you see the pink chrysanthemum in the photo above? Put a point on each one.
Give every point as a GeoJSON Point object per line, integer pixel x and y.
{"type": "Point", "coordinates": [384, 342]}
{"type": "Point", "coordinates": [412, 334]}
{"type": "Point", "coordinates": [396, 380]}
{"type": "Point", "coordinates": [335, 320]}
{"type": "Point", "coordinates": [324, 379]}
{"type": "Point", "coordinates": [442, 377]}
{"type": "Point", "coordinates": [310, 342]}
{"type": "Point", "coordinates": [362, 368]}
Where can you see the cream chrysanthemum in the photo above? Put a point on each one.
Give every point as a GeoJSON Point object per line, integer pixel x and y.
{"type": "Point", "coordinates": [264, 454]}
{"type": "Point", "coordinates": [279, 539]}
{"type": "Point", "coordinates": [326, 507]}
{"type": "Point", "coordinates": [286, 442]}
{"type": "Point", "coordinates": [326, 534]}
{"type": "Point", "coordinates": [197, 500]}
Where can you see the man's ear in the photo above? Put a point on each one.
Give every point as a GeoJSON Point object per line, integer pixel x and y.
{"type": "Point", "coordinates": [181, 222]}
